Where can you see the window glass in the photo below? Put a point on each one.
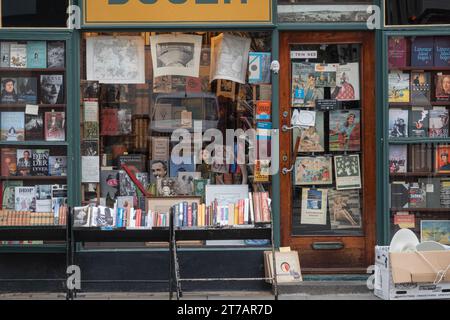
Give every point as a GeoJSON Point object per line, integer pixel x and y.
{"type": "Point", "coordinates": [203, 83]}
{"type": "Point", "coordinates": [417, 12]}
{"type": "Point", "coordinates": [34, 13]}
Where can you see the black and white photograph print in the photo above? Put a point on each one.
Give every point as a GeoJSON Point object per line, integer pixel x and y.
{"type": "Point", "coordinates": [398, 123]}
{"type": "Point", "coordinates": [174, 54]}
{"type": "Point", "coordinates": [347, 171]}
{"type": "Point", "coordinates": [52, 89]}
{"type": "Point", "coordinates": [322, 13]}
{"type": "Point", "coordinates": [55, 54]}
{"type": "Point", "coordinates": [81, 216]}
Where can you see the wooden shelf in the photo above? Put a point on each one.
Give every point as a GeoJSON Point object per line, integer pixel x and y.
{"type": "Point", "coordinates": [425, 210]}
{"type": "Point", "coordinates": [24, 233]}
{"type": "Point", "coordinates": [420, 68]}
{"type": "Point", "coordinates": [23, 105]}
{"type": "Point", "coordinates": [34, 143]}
{"type": "Point", "coordinates": [418, 174]}
{"type": "Point", "coordinates": [36, 178]}
{"type": "Point", "coordinates": [32, 70]}
{"type": "Point", "coordinates": [418, 140]}
{"type": "Point", "coordinates": [410, 104]}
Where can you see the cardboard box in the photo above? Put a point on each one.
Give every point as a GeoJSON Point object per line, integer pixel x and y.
{"type": "Point", "coordinates": [413, 276]}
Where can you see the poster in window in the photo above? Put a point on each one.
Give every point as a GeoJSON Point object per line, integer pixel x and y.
{"type": "Point", "coordinates": [314, 206]}
{"type": "Point", "coordinates": [118, 59]}
{"type": "Point", "coordinates": [347, 83]}
{"type": "Point", "coordinates": [313, 171]}
{"type": "Point", "coordinates": [345, 130]}
{"type": "Point", "coordinates": [347, 171]}
{"type": "Point", "coordinates": [345, 209]}
{"type": "Point", "coordinates": [174, 54]}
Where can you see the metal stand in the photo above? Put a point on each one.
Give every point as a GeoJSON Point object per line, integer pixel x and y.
{"type": "Point", "coordinates": [239, 233]}
{"type": "Point", "coordinates": [119, 235]}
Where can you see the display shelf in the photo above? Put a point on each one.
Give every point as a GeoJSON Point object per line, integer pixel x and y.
{"type": "Point", "coordinates": [34, 143]}
{"type": "Point", "coordinates": [418, 174]}
{"type": "Point", "coordinates": [226, 233]}
{"type": "Point", "coordinates": [23, 105]}
{"type": "Point", "coordinates": [121, 235]}
{"type": "Point", "coordinates": [409, 104]}
{"type": "Point", "coordinates": [36, 178]}
{"type": "Point", "coordinates": [32, 70]}
{"type": "Point", "coordinates": [23, 233]}
{"type": "Point", "coordinates": [410, 68]}
{"type": "Point", "coordinates": [418, 140]}
{"type": "Point", "coordinates": [425, 210]}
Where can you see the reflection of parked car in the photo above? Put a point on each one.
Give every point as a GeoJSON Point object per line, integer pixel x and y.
{"type": "Point", "coordinates": [166, 115]}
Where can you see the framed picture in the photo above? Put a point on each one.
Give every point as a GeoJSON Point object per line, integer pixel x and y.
{"type": "Point", "coordinates": [313, 171]}
{"type": "Point", "coordinates": [163, 204]}
{"type": "Point", "coordinates": [225, 194]}
{"type": "Point", "coordinates": [442, 163]}
{"type": "Point", "coordinates": [226, 88]}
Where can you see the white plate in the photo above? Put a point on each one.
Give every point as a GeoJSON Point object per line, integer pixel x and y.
{"type": "Point", "coordinates": [404, 240]}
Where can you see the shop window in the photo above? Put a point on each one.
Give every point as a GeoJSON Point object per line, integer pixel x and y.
{"type": "Point", "coordinates": [33, 134]}
{"type": "Point", "coordinates": [322, 11]}
{"type": "Point", "coordinates": [34, 13]}
{"type": "Point", "coordinates": [138, 90]}
{"type": "Point", "coordinates": [417, 12]}
{"type": "Point", "coordinates": [418, 135]}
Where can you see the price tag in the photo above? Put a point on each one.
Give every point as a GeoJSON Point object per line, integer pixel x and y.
{"type": "Point", "coordinates": [32, 109]}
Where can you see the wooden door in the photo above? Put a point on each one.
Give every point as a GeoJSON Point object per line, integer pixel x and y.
{"type": "Point", "coordinates": [341, 236]}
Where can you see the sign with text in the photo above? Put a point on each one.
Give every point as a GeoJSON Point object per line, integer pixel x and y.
{"type": "Point", "coordinates": [129, 12]}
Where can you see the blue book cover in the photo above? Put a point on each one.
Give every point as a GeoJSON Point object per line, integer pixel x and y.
{"type": "Point", "coordinates": [37, 54]}
{"type": "Point", "coordinates": [181, 164]}
{"type": "Point", "coordinates": [442, 51]}
{"type": "Point", "coordinates": [12, 126]}
{"type": "Point", "coordinates": [422, 52]}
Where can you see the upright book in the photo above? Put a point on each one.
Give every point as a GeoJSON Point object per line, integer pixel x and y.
{"type": "Point", "coordinates": [9, 162]}
{"type": "Point", "coordinates": [422, 52]}
{"type": "Point", "coordinates": [397, 52]}
{"type": "Point", "coordinates": [57, 165]}
{"type": "Point", "coordinates": [418, 123]}
{"type": "Point", "coordinates": [443, 87]}
{"type": "Point", "coordinates": [12, 126]}
{"type": "Point", "coordinates": [27, 90]}
{"type": "Point", "coordinates": [398, 123]}
{"type": "Point", "coordinates": [5, 48]}
{"type": "Point", "coordinates": [25, 198]}
{"type": "Point", "coordinates": [55, 54]}
{"type": "Point", "coordinates": [52, 89]}
{"type": "Point", "coordinates": [24, 162]}
{"type": "Point", "coordinates": [399, 86]}
{"type": "Point", "coordinates": [18, 55]}
{"type": "Point", "coordinates": [442, 51]}
{"type": "Point", "coordinates": [34, 127]}
{"type": "Point", "coordinates": [55, 126]}
{"type": "Point", "coordinates": [420, 158]}
{"type": "Point", "coordinates": [39, 165]}
{"type": "Point", "coordinates": [398, 158]}
{"type": "Point", "coordinates": [420, 88]}
{"type": "Point", "coordinates": [439, 123]}
{"type": "Point", "coordinates": [399, 194]}
{"type": "Point", "coordinates": [37, 54]}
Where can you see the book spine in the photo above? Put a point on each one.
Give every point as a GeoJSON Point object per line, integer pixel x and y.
{"type": "Point", "coordinates": [194, 214]}
{"type": "Point", "coordinates": [189, 215]}
{"type": "Point", "coordinates": [185, 214]}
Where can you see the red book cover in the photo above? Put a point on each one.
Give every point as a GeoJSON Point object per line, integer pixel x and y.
{"type": "Point", "coordinates": [263, 110]}
{"type": "Point", "coordinates": [241, 211]}
{"type": "Point", "coordinates": [9, 162]}
{"type": "Point", "coordinates": [109, 124]}
{"type": "Point", "coordinates": [138, 217]}
{"type": "Point", "coordinates": [397, 52]}
{"type": "Point", "coordinates": [55, 126]}
{"type": "Point", "coordinates": [265, 207]}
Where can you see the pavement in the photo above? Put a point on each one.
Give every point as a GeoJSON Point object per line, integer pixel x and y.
{"type": "Point", "coordinates": [307, 290]}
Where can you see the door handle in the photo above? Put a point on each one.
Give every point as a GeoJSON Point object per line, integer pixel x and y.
{"type": "Point", "coordinates": [285, 128]}
{"type": "Point", "coordinates": [327, 245]}
{"type": "Point", "coordinates": [285, 171]}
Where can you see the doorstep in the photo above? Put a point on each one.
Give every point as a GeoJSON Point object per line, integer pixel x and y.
{"type": "Point", "coordinates": [328, 285]}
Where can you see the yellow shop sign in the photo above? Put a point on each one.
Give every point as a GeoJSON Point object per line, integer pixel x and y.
{"type": "Point", "coordinates": [214, 12]}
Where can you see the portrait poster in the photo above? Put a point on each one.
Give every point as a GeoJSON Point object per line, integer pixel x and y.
{"type": "Point", "coordinates": [345, 130]}
{"type": "Point", "coordinates": [345, 209]}
{"type": "Point", "coordinates": [311, 138]}
{"type": "Point", "coordinates": [314, 206]}
{"type": "Point", "coordinates": [347, 171]}
{"type": "Point", "coordinates": [313, 171]}
{"type": "Point", "coordinates": [229, 58]}
{"type": "Point", "coordinates": [118, 59]}
{"type": "Point", "coordinates": [175, 54]}
{"type": "Point", "coordinates": [347, 83]}
{"type": "Point", "coordinates": [442, 163]}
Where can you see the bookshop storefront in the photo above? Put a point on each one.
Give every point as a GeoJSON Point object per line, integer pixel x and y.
{"type": "Point", "coordinates": [274, 122]}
